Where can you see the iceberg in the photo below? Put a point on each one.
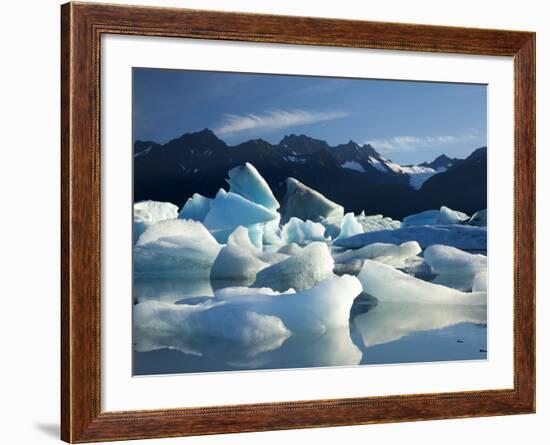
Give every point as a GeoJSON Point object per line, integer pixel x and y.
{"type": "Point", "coordinates": [229, 211]}
{"type": "Point", "coordinates": [238, 259]}
{"type": "Point", "coordinates": [175, 247]}
{"type": "Point", "coordinates": [462, 237]}
{"type": "Point", "coordinates": [147, 213]}
{"type": "Point", "coordinates": [374, 223]}
{"type": "Point", "coordinates": [239, 324]}
{"type": "Point", "coordinates": [303, 202]}
{"type": "Point", "coordinates": [349, 227]}
{"type": "Point", "coordinates": [195, 208]}
{"type": "Point", "coordinates": [479, 218]}
{"type": "Point", "coordinates": [190, 329]}
{"type": "Point", "coordinates": [391, 254]}
{"type": "Point", "coordinates": [391, 285]}
{"type": "Point", "coordinates": [302, 232]}
{"type": "Point", "coordinates": [302, 271]}
{"type": "Point", "coordinates": [443, 216]}
{"type": "Point", "coordinates": [451, 261]}
{"type": "Point", "coordinates": [245, 180]}
{"type": "Point", "coordinates": [290, 249]}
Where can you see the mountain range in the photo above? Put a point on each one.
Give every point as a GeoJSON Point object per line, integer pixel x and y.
{"type": "Point", "coordinates": [353, 175]}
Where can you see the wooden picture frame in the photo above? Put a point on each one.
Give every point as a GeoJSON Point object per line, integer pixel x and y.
{"type": "Point", "coordinates": [82, 25]}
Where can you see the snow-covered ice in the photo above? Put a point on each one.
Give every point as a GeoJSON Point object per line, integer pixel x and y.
{"type": "Point", "coordinates": [175, 247]}
{"type": "Point", "coordinates": [304, 270]}
{"type": "Point", "coordinates": [462, 237]}
{"type": "Point", "coordinates": [229, 211]}
{"type": "Point", "coordinates": [195, 208]}
{"type": "Point", "coordinates": [305, 203]}
{"type": "Point", "coordinates": [245, 180]}
{"type": "Point", "coordinates": [388, 284]}
{"type": "Point", "coordinates": [147, 213]}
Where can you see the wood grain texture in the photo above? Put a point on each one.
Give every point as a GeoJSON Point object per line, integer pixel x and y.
{"type": "Point", "coordinates": [81, 28]}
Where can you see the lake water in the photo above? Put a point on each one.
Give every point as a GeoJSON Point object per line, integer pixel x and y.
{"type": "Point", "coordinates": [381, 333]}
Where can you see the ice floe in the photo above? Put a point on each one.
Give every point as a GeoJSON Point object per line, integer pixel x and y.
{"type": "Point", "coordinates": [245, 180]}
{"type": "Point", "coordinates": [388, 284]}
{"type": "Point", "coordinates": [304, 270]}
{"type": "Point", "coordinates": [395, 255]}
{"type": "Point", "coordinates": [479, 218]}
{"type": "Point", "coordinates": [443, 216]}
{"type": "Point", "coordinates": [305, 203]}
{"type": "Point", "coordinates": [195, 208]}
{"type": "Point", "coordinates": [229, 211]}
{"type": "Point", "coordinates": [349, 227]}
{"type": "Point", "coordinates": [147, 213]}
{"type": "Point", "coordinates": [480, 282]}
{"type": "Point", "coordinates": [449, 260]}
{"type": "Point", "coordinates": [302, 232]}
{"type": "Point", "coordinates": [462, 237]}
{"type": "Point", "coordinates": [175, 247]}
{"type": "Point", "coordinates": [238, 259]}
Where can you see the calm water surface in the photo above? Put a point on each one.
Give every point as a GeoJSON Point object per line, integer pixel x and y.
{"type": "Point", "coordinates": [382, 333]}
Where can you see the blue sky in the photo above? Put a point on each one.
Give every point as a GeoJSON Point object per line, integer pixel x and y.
{"type": "Point", "coordinates": [408, 122]}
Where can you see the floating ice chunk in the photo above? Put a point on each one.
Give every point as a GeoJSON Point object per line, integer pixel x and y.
{"type": "Point", "coordinates": [147, 213]}
{"type": "Point", "coordinates": [324, 306]}
{"type": "Point", "coordinates": [302, 271]}
{"type": "Point", "coordinates": [479, 218]}
{"type": "Point", "coordinates": [426, 218]}
{"type": "Point", "coordinates": [449, 216]}
{"type": "Point", "coordinates": [238, 259]}
{"type": "Point", "coordinates": [384, 252]}
{"type": "Point", "coordinates": [229, 211]}
{"type": "Point", "coordinates": [374, 223]}
{"type": "Point", "coordinates": [228, 293]}
{"type": "Point", "coordinates": [237, 331]}
{"type": "Point", "coordinates": [452, 261]}
{"type": "Point", "coordinates": [272, 232]}
{"type": "Point", "coordinates": [245, 180]}
{"type": "Point", "coordinates": [460, 236]}
{"type": "Point", "coordinates": [195, 208]}
{"type": "Point", "coordinates": [388, 284]}
{"type": "Point", "coordinates": [391, 321]}
{"type": "Point", "coordinates": [301, 232]}
{"type": "Point", "coordinates": [480, 282]}
{"type": "Point", "coordinates": [305, 203]}
{"type": "Point", "coordinates": [442, 216]}
{"type": "Point", "coordinates": [350, 226]}
{"type": "Point", "coordinates": [175, 247]}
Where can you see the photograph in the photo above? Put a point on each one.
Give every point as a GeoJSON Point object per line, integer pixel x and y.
{"type": "Point", "coordinates": [289, 221]}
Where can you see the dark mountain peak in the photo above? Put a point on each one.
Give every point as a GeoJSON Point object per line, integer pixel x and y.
{"type": "Point", "coordinates": [199, 139]}
{"type": "Point", "coordinates": [369, 149]}
{"type": "Point", "coordinates": [140, 146]}
{"type": "Point", "coordinates": [254, 143]}
{"type": "Point", "coordinates": [302, 144]}
{"type": "Point", "coordinates": [441, 162]}
{"type": "Point", "coordinates": [478, 153]}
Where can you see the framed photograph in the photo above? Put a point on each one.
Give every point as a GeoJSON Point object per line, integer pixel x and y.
{"type": "Point", "coordinates": [274, 222]}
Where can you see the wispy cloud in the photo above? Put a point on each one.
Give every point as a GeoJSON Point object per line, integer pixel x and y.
{"type": "Point", "coordinates": [273, 120]}
{"type": "Point", "coordinates": [409, 143]}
